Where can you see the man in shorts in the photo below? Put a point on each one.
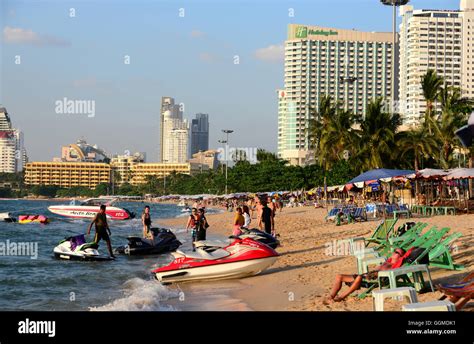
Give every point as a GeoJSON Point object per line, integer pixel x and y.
{"type": "Point", "coordinates": [102, 230]}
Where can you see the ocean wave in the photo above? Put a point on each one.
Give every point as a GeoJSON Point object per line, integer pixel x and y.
{"type": "Point", "coordinates": [141, 295]}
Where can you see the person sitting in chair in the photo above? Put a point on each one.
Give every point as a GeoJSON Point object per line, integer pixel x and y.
{"type": "Point", "coordinates": [355, 281]}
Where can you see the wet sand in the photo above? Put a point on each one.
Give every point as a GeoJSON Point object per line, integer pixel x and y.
{"type": "Point", "coordinates": [303, 275]}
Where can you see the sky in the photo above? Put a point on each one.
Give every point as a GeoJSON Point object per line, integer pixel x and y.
{"type": "Point", "coordinates": [224, 58]}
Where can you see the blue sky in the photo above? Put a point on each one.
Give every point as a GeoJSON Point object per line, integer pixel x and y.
{"type": "Point", "coordinates": [190, 58]}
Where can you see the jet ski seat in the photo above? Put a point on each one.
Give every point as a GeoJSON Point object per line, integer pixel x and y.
{"type": "Point", "coordinates": [202, 254]}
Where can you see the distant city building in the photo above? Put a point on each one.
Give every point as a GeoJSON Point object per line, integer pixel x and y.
{"type": "Point", "coordinates": [174, 133]}
{"type": "Point", "coordinates": [7, 151]}
{"type": "Point", "coordinates": [200, 133]}
{"type": "Point", "coordinates": [82, 152]}
{"type": "Point", "coordinates": [122, 165]}
{"type": "Point", "coordinates": [141, 171]}
{"type": "Point", "coordinates": [351, 66]}
{"type": "Point", "coordinates": [12, 150]}
{"type": "Point", "coordinates": [67, 174]}
{"type": "Point", "coordinates": [5, 122]}
{"type": "Point", "coordinates": [437, 40]}
{"type": "Point", "coordinates": [208, 158]}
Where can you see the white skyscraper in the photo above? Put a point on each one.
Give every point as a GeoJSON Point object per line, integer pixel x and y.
{"type": "Point", "coordinates": [12, 150]}
{"type": "Point", "coordinates": [440, 40]}
{"type": "Point", "coordinates": [351, 66]}
{"type": "Point", "coordinates": [174, 133]}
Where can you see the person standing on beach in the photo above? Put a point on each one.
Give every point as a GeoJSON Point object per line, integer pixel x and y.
{"type": "Point", "coordinates": [238, 222]}
{"type": "Point", "coordinates": [266, 219]}
{"type": "Point", "coordinates": [193, 223]}
{"type": "Point", "coordinates": [247, 218]}
{"type": "Point", "coordinates": [258, 208]}
{"type": "Point", "coordinates": [204, 225]}
{"type": "Point", "coordinates": [101, 229]}
{"type": "Point", "coordinates": [146, 222]}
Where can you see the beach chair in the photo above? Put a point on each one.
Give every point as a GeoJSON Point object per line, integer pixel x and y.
{"type": "Point", "coordinates": [359, 214]}
{"type": "Point", "coordinates": [332, 214]}
{"type": "Point", "coordinates": [440, 255]}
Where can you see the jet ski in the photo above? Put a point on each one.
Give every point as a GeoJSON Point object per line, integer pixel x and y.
{"type": "Point", "coordinates": [76, 248]}
{"type": "Point", "coordinates": [164, 241]}
{"type": "Point", "coordinates": [7, 217]}
{"type": "Point", "coordinates": [241, 258]}
{"type": "Point", "coordinates": [254, 234]}
{"type": "Point", "coordinates": [260, 236]}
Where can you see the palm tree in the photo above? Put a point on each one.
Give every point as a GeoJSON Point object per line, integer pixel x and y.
{"type": "Point", "coordinates": [454, 108]}
{"type": "Point", "coordinates": [430, 84]}
{"type": "Point", "coordinates": [318, 119]}
{"type": "Point", "coordinates": [377, 137]}
{"type": "Point", "coordinates": [417, 141]}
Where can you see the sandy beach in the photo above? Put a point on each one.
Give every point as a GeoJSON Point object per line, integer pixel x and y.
{"type": "Point", "coordinates": [303, 275]}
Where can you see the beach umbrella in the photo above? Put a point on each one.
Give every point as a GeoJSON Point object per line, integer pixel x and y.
{"type": "Point", "coordinates": [378, 174]}
{"type": "Point", "coordinates": [430, 173]}
{"type": "Point", "coordinates": [460, 173]}
{"type": "Point", "coordinates": [466, 133]}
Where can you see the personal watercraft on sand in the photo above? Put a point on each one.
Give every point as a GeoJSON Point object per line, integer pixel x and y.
{"type": "Point", "coordinates": [164, 241]}
{"type": "Point", "coordinates": [241, 258]}
{"type": "Point", "coordinates": [254, 234]}
{"type": "Point", "coordinates": [76, 248]}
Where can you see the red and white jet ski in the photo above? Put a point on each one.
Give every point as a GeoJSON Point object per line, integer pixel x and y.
{"type": "Point", "coordinates": [241, 258]}
{"type": "Point", "coordinates": [90, 207]}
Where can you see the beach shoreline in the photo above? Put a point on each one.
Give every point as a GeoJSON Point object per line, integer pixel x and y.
{"type": "Point", "coordinates": [302, 276]}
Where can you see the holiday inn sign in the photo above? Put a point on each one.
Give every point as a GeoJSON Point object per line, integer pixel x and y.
{"type": "Point", "coordinates": [303, 32]}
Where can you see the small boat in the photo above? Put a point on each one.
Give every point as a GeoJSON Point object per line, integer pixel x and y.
{"type": "Point", "coordinates": [186, 210]}
{"type": "Point", "coordinates": [241, 258]}
{"type": "Point", "coordinates": [7, 217]}
{"type": "Point", "coordinates": [32, 219]}
{"type": "Point", "coordinates": [76, 248]}
{"type": "Point", "coordinates": [90, 207]}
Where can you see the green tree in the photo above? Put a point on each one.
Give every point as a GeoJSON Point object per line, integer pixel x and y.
{"type": "Point", "coordinates": [431, 84]}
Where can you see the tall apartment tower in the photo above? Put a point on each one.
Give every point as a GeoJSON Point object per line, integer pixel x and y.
{"type": "Point", "coordinates": [174, 136]}
{"type": "Point", "coordinates": [351, 66]}
{"type": "Point", "coordinates": [429, 39]}
{"type": "Point", "coordinates": [200, 133]}
{"type": "Point", "coordinates": [12, 151]}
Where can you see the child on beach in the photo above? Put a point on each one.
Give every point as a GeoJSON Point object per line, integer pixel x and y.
{"type": "Point", "coordinates": [355, 281]}
{"type": "Point", "coordinates": [239, 221]}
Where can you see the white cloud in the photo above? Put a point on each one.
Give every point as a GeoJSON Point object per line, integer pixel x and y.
{"type": "Point", "coordinates": [12, 35]}
{"type": "Point", "coordinates": [272, 53]}
{"type": "Point", "coordinates": [197, 34]}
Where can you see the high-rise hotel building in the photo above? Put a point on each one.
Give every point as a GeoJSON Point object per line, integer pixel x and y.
{"type": "Point", "coordinates": [441, 40]}
{"type": "Point", "coordinates": [351, 66]}
{"type": "Point", "coordinates": [174, 133]}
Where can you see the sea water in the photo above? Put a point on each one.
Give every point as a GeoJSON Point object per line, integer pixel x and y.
{"type": "Point", "coordinates": [41, 282]}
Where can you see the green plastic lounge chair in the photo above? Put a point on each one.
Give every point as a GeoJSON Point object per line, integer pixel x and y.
{"type": "Point", "coordinates": [440, 255]}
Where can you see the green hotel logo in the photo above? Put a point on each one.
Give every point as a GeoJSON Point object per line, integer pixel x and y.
{"type": "Point", "coordinates": [303, 32]}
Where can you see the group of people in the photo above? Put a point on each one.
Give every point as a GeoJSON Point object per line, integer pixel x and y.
{"type": "Point", "coordinates": [265, 208]}
{"type": "Point", "coordinates": [198, 224]}
{"type": "Point", "coordinates": [102, 229]}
